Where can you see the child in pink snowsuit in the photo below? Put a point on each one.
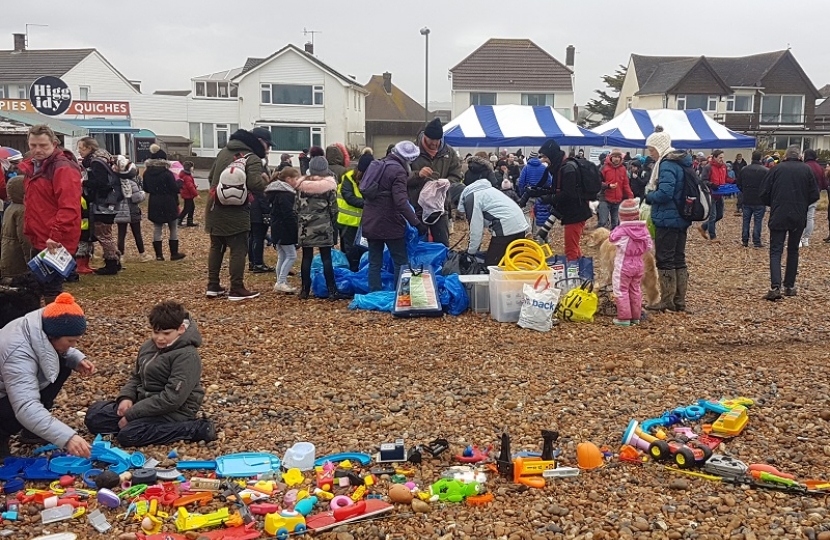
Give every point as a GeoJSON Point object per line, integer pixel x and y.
{"type": "Point", "coordinates": [632, 240]}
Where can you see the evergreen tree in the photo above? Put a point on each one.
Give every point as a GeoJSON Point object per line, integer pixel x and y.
{"type": "Point", "coordinates": [606, 104]}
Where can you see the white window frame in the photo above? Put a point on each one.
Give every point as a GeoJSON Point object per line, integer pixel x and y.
{"type": "Point", "coordinates": [711, 102]}
{"type": "Point", "coordinates": [2, 91]}
{"type": "Point", "coordinates": [780, 106]}
{"type": "Point", "coordinates": [318, 131]}
{"type": "Point", "coordinates": [196, 89]}
{"type": "Point", "coordinates": [494, 94]}
{"type": "Point", "coordinates": [231, 90]}
{"type": "Point", "coordinates": [317, 93]}
{"type": "Point", "coordinates": [22, 91]}
{"type": "Point", "coordinates": [730, 100]}
{"type": "Point", "coordinates": [314, 130]}
{"type": "Point", "coordinates": [218, 128]}
{"type": "Point", "coordinates": [628, 102]}
{"type": "Point", "coordinates": [526, 96]}
{"type": "Point", "coordinates": [84, 89]}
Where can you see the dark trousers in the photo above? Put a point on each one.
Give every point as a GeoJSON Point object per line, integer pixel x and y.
{"type": "Point", "coordinates": [102, 417]}
{"type": "Point", "coordinates": [776, 250]}
{"type": "Point", "coordinates": [757, 213]}
{"type": "Point", "coordinates": [187, 211]}
{"type": "Point", "coordinates": [497, 248]}
{"type": "Point", "coordinates": [135, 227]}
{"type": "Point", "coordinates": [670, 248]}
{"type": "Point", "coordinates": [715, 215]}
{"type": "Point", "coordinates": [397, 249]}
{"type": "Point", "coordinates": [51, 289]}
{"type": "Point", "coordinates": [328, 268]}
{"type": "Point", "coordinates": [348, 236]}
{"type": "Point", "coordinates": [8, 422]}
{"type": "Point", "coordinates": [238, 246]}
{"type": "Point", "coordinates": [828, 211]}
{"type": "Point", "coordinates": [440, 231]}
{"type": "Point", "coordinates": [256, 243]}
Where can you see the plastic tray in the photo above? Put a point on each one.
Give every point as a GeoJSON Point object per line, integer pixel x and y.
{"type": "Point", "coordinates": [246, 464]}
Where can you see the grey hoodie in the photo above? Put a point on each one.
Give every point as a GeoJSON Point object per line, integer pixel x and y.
{"type": "Point", "coordinates": [28, 364]}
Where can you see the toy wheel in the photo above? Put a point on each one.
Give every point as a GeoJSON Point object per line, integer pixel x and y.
{"type": "Point", "coordinates": [282, 533]}
{"type": "Point", "coordinates": [300, 528]}
{"type": "Point", "coordinates": [707, 452]}
{"type": "Point", "coordinates": [684, 458]}
{"type": "Point", "coordinates": [659, 449]}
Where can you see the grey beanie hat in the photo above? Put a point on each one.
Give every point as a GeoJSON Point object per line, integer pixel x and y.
{"type": "Point", "coordinates": [318, 166]}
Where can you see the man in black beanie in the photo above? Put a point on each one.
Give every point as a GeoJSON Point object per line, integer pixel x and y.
{"type": "Point", "coordinates": [437, 160]}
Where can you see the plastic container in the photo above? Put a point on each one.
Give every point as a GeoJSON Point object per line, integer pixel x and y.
{"type": "Point", "coordinates": [506, 294]}
{"type": "Point", "coordinates": [478, 289]}
{"type": "Point", "coordinates": [300, 456]}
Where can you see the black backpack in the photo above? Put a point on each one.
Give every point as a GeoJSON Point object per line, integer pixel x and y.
{"type": "Point", "coordinates": [696, 198]}
{"type": "Point", "coordinates": [370, 182]}
{"type": "Point", "coordinates": [589, 183]}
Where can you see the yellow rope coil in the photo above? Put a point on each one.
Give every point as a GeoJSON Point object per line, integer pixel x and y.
{"type": "Point", "coordinates": [525, 255]}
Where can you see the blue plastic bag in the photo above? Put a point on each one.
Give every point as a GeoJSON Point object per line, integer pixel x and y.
{"type": "Point", "coordinates": [376, 301]}
{"type": "Point", "coordinates": [429, 255]}
{"type": "Point", "coordinates": [453, 294]}
{"type": "Point", "coordinates": [338, 260]}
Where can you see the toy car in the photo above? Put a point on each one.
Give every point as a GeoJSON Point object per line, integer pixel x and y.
{"type": "Point", "coordinates": [685, 455]}
{"type": "Point", "coordinates": [283, 524]}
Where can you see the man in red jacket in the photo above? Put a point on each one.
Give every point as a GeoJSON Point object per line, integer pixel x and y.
{"type": "Point", "coordinates": [53, 198]}
{"type": "Point", "coordinates": [615, 185]}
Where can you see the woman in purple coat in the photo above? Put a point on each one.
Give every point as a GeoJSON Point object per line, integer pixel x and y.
{"type": "Point", "coordinates": [385, 215]}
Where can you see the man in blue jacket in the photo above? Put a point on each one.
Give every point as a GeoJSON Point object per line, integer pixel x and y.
{"type": "Point", "coordinates": [530, 177]}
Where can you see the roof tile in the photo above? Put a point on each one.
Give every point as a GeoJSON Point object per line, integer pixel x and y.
{"type": "Point", "coordinates": [395, 107]}
{"type": "Point", "coordinates": [26, 66]}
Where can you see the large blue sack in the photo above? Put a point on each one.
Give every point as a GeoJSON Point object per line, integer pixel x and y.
{"type": "Point", "coordinates": [453, 294]}
{"type": "Point", "coordinates": [376, 301]}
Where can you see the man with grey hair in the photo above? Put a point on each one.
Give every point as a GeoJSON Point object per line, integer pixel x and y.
{"type": "Point", "coordinates": [788, 189]}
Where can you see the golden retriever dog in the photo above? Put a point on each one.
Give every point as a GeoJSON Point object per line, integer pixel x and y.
{"type": "Point", "coordinates": [604, 266]}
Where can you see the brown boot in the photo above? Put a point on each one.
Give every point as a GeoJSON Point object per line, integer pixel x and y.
{"type": "Point", "coordinates": [668, 290]}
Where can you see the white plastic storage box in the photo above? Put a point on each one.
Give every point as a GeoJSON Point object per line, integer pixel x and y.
{"type": "Point", "coordinates": [478, 289]}
{"type": "Point", "coordinates": [506, 291]}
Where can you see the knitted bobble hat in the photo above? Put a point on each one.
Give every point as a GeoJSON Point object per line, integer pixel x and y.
{"type": "Point", "coordinates": [629, 210]}
{"type": "Point", "coordinates": [659, 140]}
{"type": "Point", "coordinates": [63, 318]}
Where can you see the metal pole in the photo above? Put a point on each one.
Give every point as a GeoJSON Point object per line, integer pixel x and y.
{"type": "Point", "coordinates": [426, 80]}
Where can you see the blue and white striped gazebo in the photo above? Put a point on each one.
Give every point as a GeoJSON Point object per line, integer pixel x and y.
{"type": "Point", "coordinates": [687, 129]}
{"type": "Point", "coordinates": [515, 125]}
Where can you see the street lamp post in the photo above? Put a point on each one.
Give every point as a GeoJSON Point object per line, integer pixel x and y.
{"type": "Point", "coordinates": [425, 33]}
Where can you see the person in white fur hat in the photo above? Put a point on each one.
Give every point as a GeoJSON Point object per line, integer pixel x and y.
{"type": "Point", "coordinates": [664, 194]}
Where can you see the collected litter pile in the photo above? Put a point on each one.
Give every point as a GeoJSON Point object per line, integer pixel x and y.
{"type": "Point", "coordinates": [252, 493]}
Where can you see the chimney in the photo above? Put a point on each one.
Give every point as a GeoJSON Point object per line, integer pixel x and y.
{"type": "Point", "coordinates": [309, 47]}
{"type": "Point", "coordinates": [19, 42]}
{"type": "Point", "coordinates": [570, 53]}
{"type": "Point", "coordinates": [387, 82]}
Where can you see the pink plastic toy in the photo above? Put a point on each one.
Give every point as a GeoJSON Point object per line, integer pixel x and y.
{"type": "Point", "coordinates": [341, 501]}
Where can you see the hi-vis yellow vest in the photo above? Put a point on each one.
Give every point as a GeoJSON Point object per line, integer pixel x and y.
{"type": "Point", "coordinates": [84, 220]}
{"type": "Point", "coordinates": [347, 214]}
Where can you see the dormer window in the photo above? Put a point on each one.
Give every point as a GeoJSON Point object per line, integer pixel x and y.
{"type": "Point", "coordinates": [216, 89]}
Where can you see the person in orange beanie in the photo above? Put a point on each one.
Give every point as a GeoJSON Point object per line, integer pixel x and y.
{"type": "Point", "coordinates": [37, 355]}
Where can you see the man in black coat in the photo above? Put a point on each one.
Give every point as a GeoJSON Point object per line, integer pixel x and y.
{"type": "Point", "coordinates": [749, 182]}
{"type": "Point", "coordinates": [788, 189]}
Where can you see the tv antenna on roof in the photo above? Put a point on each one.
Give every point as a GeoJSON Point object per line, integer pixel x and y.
{"type": "Point", "coordinates": [312, 32]}
{"type": "Point", "coordinates": [27, 31]}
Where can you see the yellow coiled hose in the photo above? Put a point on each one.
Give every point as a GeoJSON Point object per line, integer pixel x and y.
{"type": "Point", "coordinates": [525, 255]}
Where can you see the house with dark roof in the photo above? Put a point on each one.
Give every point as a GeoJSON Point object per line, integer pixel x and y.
{"type": "Point", "coordinates": [513, 72]}
{"type": "Point", "coordinates": [391, 115]}
{"type": "Point", "coordinates": [302, 100]}
{"type": "Point", "coordinates": [767, 95]}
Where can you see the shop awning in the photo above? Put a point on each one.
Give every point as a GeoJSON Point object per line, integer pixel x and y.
{"type": "Point", "coordinates": [105, 126]}
{"type": "Point", "coordinates": [145, 134]}
{"type": "Point", "coordinates": [60, 126]}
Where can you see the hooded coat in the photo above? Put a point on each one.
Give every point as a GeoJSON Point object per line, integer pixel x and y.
{"type": "Point", "coordinates": [16, 249]}
{"type": "Point", "coordinates": [221, 220]}
{"type": "Point", "coordinates": [166, 382]}
{"type": "Point", "coordinates": [632, 240]}
{"type": "Point", "coordinates": [337, 161]}
{"type": "Point", "coordinates": [788, 189]}
{"type": "Point", "coordinates": [160, 185]}
{"type": "Point", "coordinates": [105, 198]}
{"type": "Point", "coordinates": [53, 200]}
{"type": "Point", "coordinates": [385, 216]}
{"type": "Point", "coordinates": [316, 208]}
{"type": "Point", "coordinates": [282, 195]}
{"type": "Point", "coordinates": [28, 364]}
{"type": "Point", "coordinates": [616, 175]}
{"type": "Point", "coordinates": [480, 168]}
{"type": "Point", "coordinates": [487, 206]}
{"type": "Point", "coordinates": [529, 177]}
{"type": "Point", "coordinates": [665, 199]}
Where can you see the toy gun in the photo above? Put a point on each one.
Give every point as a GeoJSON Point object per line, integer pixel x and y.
{"type": "Point", "coordinates": [757, 475]}
{"type": "Point", "coordinates": [232, 491]}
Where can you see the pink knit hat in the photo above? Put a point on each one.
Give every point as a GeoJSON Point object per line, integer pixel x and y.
{"type": "Point", "coordinates": [629, 210]}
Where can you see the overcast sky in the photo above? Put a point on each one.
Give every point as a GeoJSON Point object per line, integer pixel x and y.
{"type": "Point", "coordinates": [165, 43]}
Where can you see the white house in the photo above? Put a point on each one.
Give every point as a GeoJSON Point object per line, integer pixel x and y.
{"type": "Point", "coordinates": [513, 72]}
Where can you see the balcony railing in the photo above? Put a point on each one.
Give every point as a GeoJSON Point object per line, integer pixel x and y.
{"type": "Point", "coordinates": [773, 122]}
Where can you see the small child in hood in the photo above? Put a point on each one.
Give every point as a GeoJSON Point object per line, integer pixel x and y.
{"type": "Point", "coordinates": [16, 249]}
{"type": "Point", "coordinates": [507, 189]}
{"type": "Point", "coordinates": [281, 193]}
{"type": "Point", "coordinates": [189, 193]}
{"type": "Point", "coordinates": [160, 402]}
{"type": "Point", "coordinates": [632, 240]}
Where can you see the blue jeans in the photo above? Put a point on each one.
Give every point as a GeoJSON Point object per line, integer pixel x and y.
{"type": "Point", "coordinates": [608, 215]}
{"type": "Point", "coordinates": [715, 215]}
{"type": "Point", "coordinates": [750, 212]}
